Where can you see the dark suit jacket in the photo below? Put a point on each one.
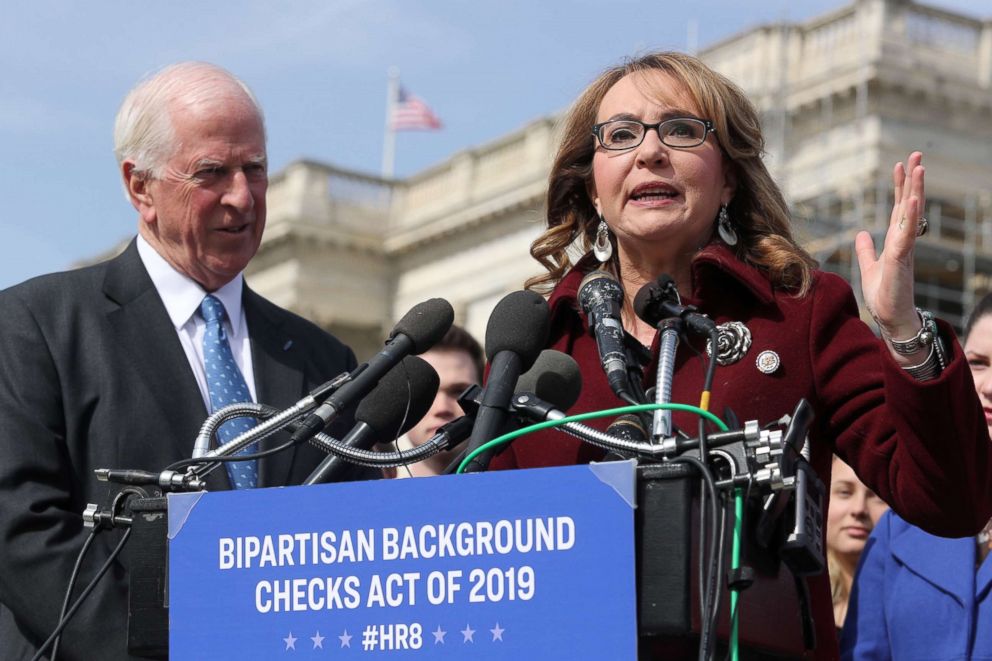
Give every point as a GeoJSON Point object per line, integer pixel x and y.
{"type": "Point", "coordinates": [92, 375]}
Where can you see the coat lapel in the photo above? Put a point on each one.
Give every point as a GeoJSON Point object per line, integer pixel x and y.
{"type": "Point", "coordinates": [952, 571]}
{"type": "Point", "coordinates": [280, 381]}
{"type": "Point", "coordinates": [983, 581]}
{"type": "Point", "coordinates": [148, 344]}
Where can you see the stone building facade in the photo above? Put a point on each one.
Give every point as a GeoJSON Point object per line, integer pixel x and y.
{"type": "Point", "coordinates": [843, 97]}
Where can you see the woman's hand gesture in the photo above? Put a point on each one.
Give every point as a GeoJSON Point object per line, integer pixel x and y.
{"type": "Point", "coordinates": [887, 280]}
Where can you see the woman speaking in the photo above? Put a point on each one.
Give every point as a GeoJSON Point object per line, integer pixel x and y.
{"type": "Point", "coordinates": [659, 171]}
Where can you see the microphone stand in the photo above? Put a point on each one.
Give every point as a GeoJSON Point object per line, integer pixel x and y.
{"type": "Point", "coordinates": [671, 328]}
{"type": "Point", "coordinates": [201, 448]}
{"type": "Point", "coordinates": [266, 428]}
{"type": "Point", "coordinates": [256, 433]}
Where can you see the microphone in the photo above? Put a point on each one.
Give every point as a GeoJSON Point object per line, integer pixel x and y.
{"type": "Point", "coordinates": [419, 330]}
{"type": "Point", "coordinates": [601, 298]}
{"type": "Point", "coordinates": [659, 300]}
{"type": "Point", "coordinates": [402, 398]}
{"type": "Point", "coordinates": [164, 480]}
{"type": "Point", "coordinates": [628, 427]}
{"type": "Point", "coordinates": [451, 434]}
{"type": "Point", "coordinates": [515, 335]}
{"type": "Point", "coordinates": [549, 388]}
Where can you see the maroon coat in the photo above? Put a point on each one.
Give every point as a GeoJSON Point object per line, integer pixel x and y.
{"type": "Point", "coordinates": [922, 447]}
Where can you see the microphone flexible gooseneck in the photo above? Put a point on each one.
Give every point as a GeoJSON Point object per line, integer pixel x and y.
{"type": "Point", "coordinates": [397, 403]}
{"type": "Point", "coordinates": [419, 330]}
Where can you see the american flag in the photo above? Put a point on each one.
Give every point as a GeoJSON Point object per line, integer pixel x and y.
{"type": "Point", "coordinates": [412, 114]}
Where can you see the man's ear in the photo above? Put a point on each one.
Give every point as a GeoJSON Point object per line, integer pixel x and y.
{"type": "Point", "coordinates": [137, 185]}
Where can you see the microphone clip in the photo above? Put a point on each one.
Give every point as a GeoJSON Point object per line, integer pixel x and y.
{"type": "Point", "coordinates": [117, 515]}
{"type": "Point", "coordinates": [660, 300]}
{"type": "Point", "coordinates": [470, 400]}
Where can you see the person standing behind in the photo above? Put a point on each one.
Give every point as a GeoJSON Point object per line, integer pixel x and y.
{"type": "Point", "coordinates": [919, 596]}
{"type": "Point", "coordinates": [116, 365]}
{"type": "Point", "coordinates": [852, 514]}
{"type": "Point", "coordinates": [458, 359]}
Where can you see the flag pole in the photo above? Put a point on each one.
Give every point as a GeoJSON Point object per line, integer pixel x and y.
{"type": "Point", "coordinates": [389, 140]}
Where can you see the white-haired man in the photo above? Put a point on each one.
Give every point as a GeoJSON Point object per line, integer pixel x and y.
{"type": "Point", "coordinates": [110, 365]}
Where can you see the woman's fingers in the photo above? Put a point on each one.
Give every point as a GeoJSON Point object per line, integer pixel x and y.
{"type": "Point", "coordinates": [864, 247]}
{"type": "Point", "coordinates": [898, 179]}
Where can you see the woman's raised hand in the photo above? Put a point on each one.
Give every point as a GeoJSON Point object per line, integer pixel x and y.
{"type": "Point", "coordinates": [887, 279]}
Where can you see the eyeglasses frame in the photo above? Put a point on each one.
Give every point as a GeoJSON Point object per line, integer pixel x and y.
{"type": "Point", "coordinates": [708, 127]}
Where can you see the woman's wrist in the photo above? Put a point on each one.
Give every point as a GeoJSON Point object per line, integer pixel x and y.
{"type": "Point", "coordinates": [920, 353]}
{"type": "Point", "coordinates": [901, 329]}
{"type": "Point", "coordinates": [913, 338]}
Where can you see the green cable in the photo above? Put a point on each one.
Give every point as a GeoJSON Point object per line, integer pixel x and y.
{"type": "Point", "coordinates": [735, 563]}
{"type": "Point", "coordinates": [506, 438]}
{"type": "Point", "coordinates": [738, 493]}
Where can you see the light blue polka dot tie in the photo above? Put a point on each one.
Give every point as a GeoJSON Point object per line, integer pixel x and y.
{"type": "Point", "coordinates": [226, 386]}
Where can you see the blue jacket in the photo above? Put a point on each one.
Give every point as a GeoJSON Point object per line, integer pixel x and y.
{"type": "Point", "coordinates": [917, 596]}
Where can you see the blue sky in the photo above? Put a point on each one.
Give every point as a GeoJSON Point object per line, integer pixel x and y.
{"type": "Point", "coordinates": [319, 68]}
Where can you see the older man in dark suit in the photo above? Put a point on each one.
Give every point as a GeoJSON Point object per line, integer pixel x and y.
{"type": "Point", "coordinates": [109, 366]}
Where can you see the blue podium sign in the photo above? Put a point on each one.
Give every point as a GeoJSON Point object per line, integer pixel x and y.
{"type": "Point", "coordinates": [529, 564]}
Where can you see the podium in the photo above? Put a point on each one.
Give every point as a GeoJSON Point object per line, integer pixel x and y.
{"type": "Point", "coordinates": [522, 564]}
{"type": "Point", "coordinates": [256, 572]}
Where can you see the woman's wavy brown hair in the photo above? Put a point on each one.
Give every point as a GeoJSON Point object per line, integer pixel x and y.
{"type": "Point", "coordinates": [758, 210]}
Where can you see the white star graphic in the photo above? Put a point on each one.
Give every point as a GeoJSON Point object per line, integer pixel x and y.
{"type": "Point", "coordinates": [497, 633]}
{"type": "Point", "coordinates": [345, 639]}
{"type": "Point", "coordinates": [468, 632]}
{"type": "Point", "coordinates": [290, 641]}
{"type": "Point", "coordinates": [439, 635]}
{"type": "Point", "coordinates": [318, 640]}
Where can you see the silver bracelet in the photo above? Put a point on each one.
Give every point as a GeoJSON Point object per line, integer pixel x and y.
{"type": "Point", "coordinates": [923, 338]}
{"type": "Point", "coordinates": [929, 368]}
{"type": "Point", "coordinates": [927, 336]}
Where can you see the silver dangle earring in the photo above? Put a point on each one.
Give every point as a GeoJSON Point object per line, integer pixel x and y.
{"type": "Point", "coordinates": [602, 248]}
{"type": "Point", "coordinates": [725, 228]}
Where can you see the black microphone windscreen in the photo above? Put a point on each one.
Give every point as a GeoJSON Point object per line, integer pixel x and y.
{"type": "Point", "coordinates": [644, 301]}
{"type": "Point", "coordinates": [649, 303]}
{"type": "Point", "coordinates": [425, 323]}
{"type": "Point", "coordinates": [519, 323]}
{"type": "Point", "coordinates": [385, 408]}
{"type": "Point", "coordinates": [665, 282]}
{"type": "Point", "coordinates": [555, 378]}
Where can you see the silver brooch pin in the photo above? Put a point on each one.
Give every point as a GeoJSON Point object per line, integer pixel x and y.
{"type": "Point", "coordinates": [732, 343]}
{"type": "Point", "coordinates": [768, 362]}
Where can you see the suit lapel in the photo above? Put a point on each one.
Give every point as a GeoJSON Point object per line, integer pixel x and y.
{"type": "Point", "coordinates": [149, 345]}
{"type": "Point", "coordinates": [952, 570]}
{"type": "Point", "coordinates": [279, 368]}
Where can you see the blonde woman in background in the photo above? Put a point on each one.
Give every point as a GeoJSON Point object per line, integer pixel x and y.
{"type": "Point", "coordinates": [853, 512]}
